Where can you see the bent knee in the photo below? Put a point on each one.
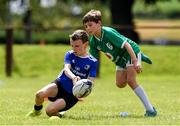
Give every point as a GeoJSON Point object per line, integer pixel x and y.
{"type": "Point", "coordinates": [121, 84]}
{"type": "Point", "coordinates": [39, 94]}
{"type": "Point", "coordinates": [131, 82]}
{"type": "Point", "coordinates": [51, 112]}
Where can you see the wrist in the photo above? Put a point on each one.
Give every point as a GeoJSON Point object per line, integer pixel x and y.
{"type": "Point", "coordinates": [74, 77]}
{"type": "Point", "coordinates": [134, 60]}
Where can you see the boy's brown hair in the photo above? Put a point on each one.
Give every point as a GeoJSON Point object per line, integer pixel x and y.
{"type": "Point", "coordinates": [92, 15]}
{"type": "Point", "coordinates": [79, 35]}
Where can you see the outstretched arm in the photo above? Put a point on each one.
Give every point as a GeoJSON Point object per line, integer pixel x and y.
{"type": "Point", "coordinates": [68, 73]}
{"type": "Point", "coordinates": [133, 57]}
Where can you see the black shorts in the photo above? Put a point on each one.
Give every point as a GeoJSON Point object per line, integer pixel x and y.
{"type": "Point", "coordinates": [70, 99]}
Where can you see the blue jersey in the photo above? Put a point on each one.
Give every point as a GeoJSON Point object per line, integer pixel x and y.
{"type": "Point", "coordinates": [80, 66]}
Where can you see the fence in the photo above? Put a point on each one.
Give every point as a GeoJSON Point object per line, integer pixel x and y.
{"type": "Point", "coordinates": [9, 39]}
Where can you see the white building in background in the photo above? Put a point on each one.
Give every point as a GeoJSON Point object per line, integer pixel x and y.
{"type": "Point", "coordinates": [18, 6]}
{"type": "Point", "coordinates": [47, 3]}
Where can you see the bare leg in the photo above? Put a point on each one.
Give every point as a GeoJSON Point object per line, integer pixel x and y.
{"type": "Point", "coordinates": [139, 91]}
{"type": "Point", "coordinates": [121, 78]}
{"type": "Point", "coordinates": [131, 77]}
{"type": "Point", "coordinates": [48, 91]}
{"type": "Point", "coordinates": [54, 107]}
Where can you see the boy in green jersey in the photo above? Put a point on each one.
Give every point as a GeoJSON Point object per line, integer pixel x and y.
{"type": "Point", "coordinates": [124, 52]}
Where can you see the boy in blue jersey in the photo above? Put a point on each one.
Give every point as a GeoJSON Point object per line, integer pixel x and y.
{"type": "Point", "coordinates": [78, 64]}
{"type": "Point", "coordinates": [125, 53]}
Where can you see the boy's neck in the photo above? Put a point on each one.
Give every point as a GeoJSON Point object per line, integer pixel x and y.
{"type": "Point", "coordinates": [98, 33]}
{"type": "Point", "coordinates": [84, 55]}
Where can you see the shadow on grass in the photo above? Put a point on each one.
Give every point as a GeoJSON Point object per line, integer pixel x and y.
{"type": "Point", "coordinates": [98, 117]}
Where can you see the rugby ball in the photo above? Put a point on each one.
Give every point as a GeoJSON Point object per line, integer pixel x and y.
{"type": "Point", "coordinates": [82, 88]}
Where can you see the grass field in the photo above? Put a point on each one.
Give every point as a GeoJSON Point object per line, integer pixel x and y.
{"type": "Point", "coordinates": [35, 66]}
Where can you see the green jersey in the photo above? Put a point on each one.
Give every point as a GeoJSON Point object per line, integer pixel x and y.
{"type": "Point", "coordinates": [112, 43]}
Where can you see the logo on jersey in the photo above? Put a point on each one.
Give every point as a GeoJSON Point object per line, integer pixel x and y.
{"type": "Point", "coordinates": [87, 67]}
{"type": "Point", "coordinates": [77, 68]}
{"type": "Point", "coordinates": [109, 46]}
{"type": "Point", "coordinates": [73, 61]}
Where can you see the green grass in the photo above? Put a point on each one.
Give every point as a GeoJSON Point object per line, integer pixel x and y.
{"type": "Point", "coordinates": [36, 66]}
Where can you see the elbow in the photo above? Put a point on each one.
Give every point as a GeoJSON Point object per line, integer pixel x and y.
{"type": "Point", "coordinates": [65, 72]}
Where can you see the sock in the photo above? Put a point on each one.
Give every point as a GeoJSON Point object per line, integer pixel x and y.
{"type": "Point", "coordinates": [38, 107]}
{"type": "Point", "coordinates": [144, 99]}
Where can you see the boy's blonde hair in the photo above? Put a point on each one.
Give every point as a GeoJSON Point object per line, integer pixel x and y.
{"type": "Point", "coordinates": [92, 15]}
{"type": "Point", "coordinates": [79, 35]}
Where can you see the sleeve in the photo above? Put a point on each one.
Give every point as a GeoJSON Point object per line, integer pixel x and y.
{"type": "Point", "coordinates": [117, 39]}
{"type": "Point", "coordinates": [93, 70]}
{"type": "Point", "coordinates": [67, 58]}
{"type": "Point", "coordinates": [93, 50]}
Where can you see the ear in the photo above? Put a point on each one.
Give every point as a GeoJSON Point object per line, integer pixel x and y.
{"type": "Point", "coordinates": [86, 44]}
{"type": "Point", "coordinates": [99, 22]}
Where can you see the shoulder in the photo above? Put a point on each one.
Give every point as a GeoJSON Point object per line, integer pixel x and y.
{"type": "Point", "coordinates": [69, 53]}
{"type": "Point", "coordinates": [108, 29]}
{"type": "Point", "coordinates": [92, 41]}
{"type": "Point", "coordinates": [91, 58]}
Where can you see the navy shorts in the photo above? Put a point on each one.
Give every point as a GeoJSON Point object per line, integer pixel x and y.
{"type": "Point", "coordinates": [70, 99]}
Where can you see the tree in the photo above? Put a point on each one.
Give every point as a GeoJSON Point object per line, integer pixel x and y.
{"type": "Point", "coordinates": [27, 21]}
{"type": "Point", "coordinates": [122, 17]}
{"type": "Point", "coordinates": [3, 11]}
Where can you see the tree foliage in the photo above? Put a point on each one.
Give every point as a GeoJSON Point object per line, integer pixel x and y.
{"type": "Point", "coordinates": [3, 11]}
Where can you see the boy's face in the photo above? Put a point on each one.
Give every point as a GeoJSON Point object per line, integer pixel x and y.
{"type": "Point", "coordinates": [78, 47]}
{"type": "Point", "coordinates": [93, 28]}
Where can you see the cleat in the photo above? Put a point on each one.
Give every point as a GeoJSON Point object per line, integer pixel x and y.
{"type": "Point", "coordinates": [61, 114]}
{"type": "Point", "coordinates": [54, 118]}
{"type": "Point", "coordinates": [145, 58]}
{"type": "Point", "coordinates": [34, 113]}
{"type": "Point", "coordinates": [151, 114]}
